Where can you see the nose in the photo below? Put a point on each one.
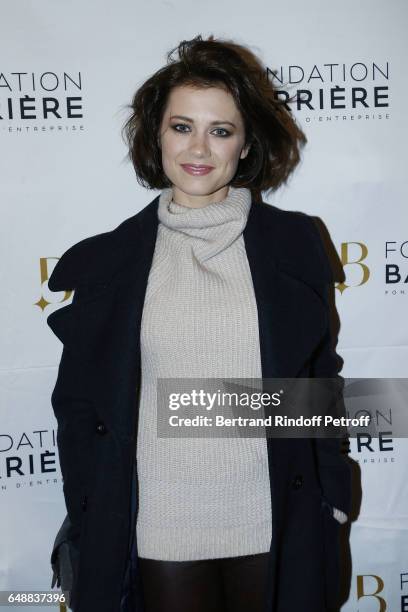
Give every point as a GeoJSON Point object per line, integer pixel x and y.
{"type": "Point", "coordinates": [199, 146]}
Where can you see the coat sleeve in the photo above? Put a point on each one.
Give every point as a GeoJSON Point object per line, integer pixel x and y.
{"type": "Point", "coordinates": [75, 417]}
{"type": "Point", "coordinates": [75, 428]}
{"type": "Point", "coordinates": [333, 467]}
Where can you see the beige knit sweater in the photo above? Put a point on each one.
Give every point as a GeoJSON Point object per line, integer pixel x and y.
{"type": "Point", "coordinates": [200, 498]}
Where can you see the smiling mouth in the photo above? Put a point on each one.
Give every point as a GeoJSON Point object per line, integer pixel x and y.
{"type": "Point", "coordinates": [197, 168]}
{"type": "Point", "coordinates": [198, 165]}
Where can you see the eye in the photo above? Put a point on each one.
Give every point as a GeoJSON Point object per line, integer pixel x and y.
{"type": "Point", "coordinates": [178, 125]}
{"type": "Point", "coordinates": [226, 132]}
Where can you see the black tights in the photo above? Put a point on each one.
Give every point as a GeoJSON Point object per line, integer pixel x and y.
{"type": "Point", "coordinates": [232, 584]}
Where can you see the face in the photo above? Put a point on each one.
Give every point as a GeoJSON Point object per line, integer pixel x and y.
{"type": "Point", "coordinates": [201, 127]}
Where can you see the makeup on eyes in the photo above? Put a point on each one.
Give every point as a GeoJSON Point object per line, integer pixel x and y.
{"type": "Point", "coordinates": [174, 126]}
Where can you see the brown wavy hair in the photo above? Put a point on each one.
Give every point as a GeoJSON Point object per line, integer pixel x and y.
{"type": "Point", "coordinates": [271, 130]}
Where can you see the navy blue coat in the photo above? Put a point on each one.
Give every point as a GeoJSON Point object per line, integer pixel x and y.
{"type": "Point", "coordinates": [95, 401]}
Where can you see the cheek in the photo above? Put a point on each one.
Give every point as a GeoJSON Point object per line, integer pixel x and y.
{"type": "Point", "coordinates": [171, 146]}
{"type": "Point", "coordinates": [228, 151]}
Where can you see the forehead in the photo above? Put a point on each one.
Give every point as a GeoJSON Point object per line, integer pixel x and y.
{"type": "Point", "coordinates": [212, 103]}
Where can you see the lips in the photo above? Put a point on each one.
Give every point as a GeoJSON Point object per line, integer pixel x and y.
{"type": "Point", "coordinates": [197, 169]}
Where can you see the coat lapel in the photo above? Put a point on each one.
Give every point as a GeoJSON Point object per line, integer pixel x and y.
{"type": "Point", "coordinates": [103, 328]}
{"type": "Point", "coordinates": [291, 315]}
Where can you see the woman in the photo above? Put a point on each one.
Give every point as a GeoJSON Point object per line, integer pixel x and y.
{"type": "Point", "coordinates": [205, 281]}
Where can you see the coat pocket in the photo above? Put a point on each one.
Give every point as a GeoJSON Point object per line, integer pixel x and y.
{"type": "Point", "coordinates": [329, 509]}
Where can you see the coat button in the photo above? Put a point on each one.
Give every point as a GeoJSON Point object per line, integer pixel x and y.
{"type": "Point", "coordinates": [84, 503]}
{"type": "Point", "coordinates": [297, 481]}
{"type": "Point", "coordinates": [101, 429]}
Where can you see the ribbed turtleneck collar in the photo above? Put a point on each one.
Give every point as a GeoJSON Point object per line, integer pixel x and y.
{"type": "Point", "coordinates": [212, 228]}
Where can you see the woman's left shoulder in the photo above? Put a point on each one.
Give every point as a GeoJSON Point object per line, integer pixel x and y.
{"type": "Point", "coordinates": [303, 224]}
{"type": "Point", "coordinates": [298, 241]}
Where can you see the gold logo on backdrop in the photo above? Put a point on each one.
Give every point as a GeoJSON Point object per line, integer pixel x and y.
{"type": "Point", "coordinates": [44, 276]}
{"type": "Point", "coordinates": [347, 261]}
{"type": "Point", "coordinates": [380, 587]}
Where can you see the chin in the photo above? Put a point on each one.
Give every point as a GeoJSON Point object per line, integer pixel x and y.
{"type": "Point", "coordinates": [192, 188]}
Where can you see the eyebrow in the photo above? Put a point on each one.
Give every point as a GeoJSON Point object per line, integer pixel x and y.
{"type": "Point", "coordinates": [191, 121]}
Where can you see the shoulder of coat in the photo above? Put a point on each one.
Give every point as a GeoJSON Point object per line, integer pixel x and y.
{"type": "Point", "coordinates": [94, 258]}
{"type": "Point", "coordinates": [299, 243]}
{"type": "Point", "coordinates": [98, 257]}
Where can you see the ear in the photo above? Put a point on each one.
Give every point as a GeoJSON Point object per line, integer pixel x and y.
{"type": "Point", "coordinates": [245, 151]}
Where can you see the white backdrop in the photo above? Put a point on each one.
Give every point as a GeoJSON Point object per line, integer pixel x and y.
{"type": "Point", "coordinates": [63, 178]}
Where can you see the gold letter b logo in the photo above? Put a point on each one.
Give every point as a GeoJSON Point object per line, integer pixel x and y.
{"type": "Point", "coordinates": [347, 261]}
